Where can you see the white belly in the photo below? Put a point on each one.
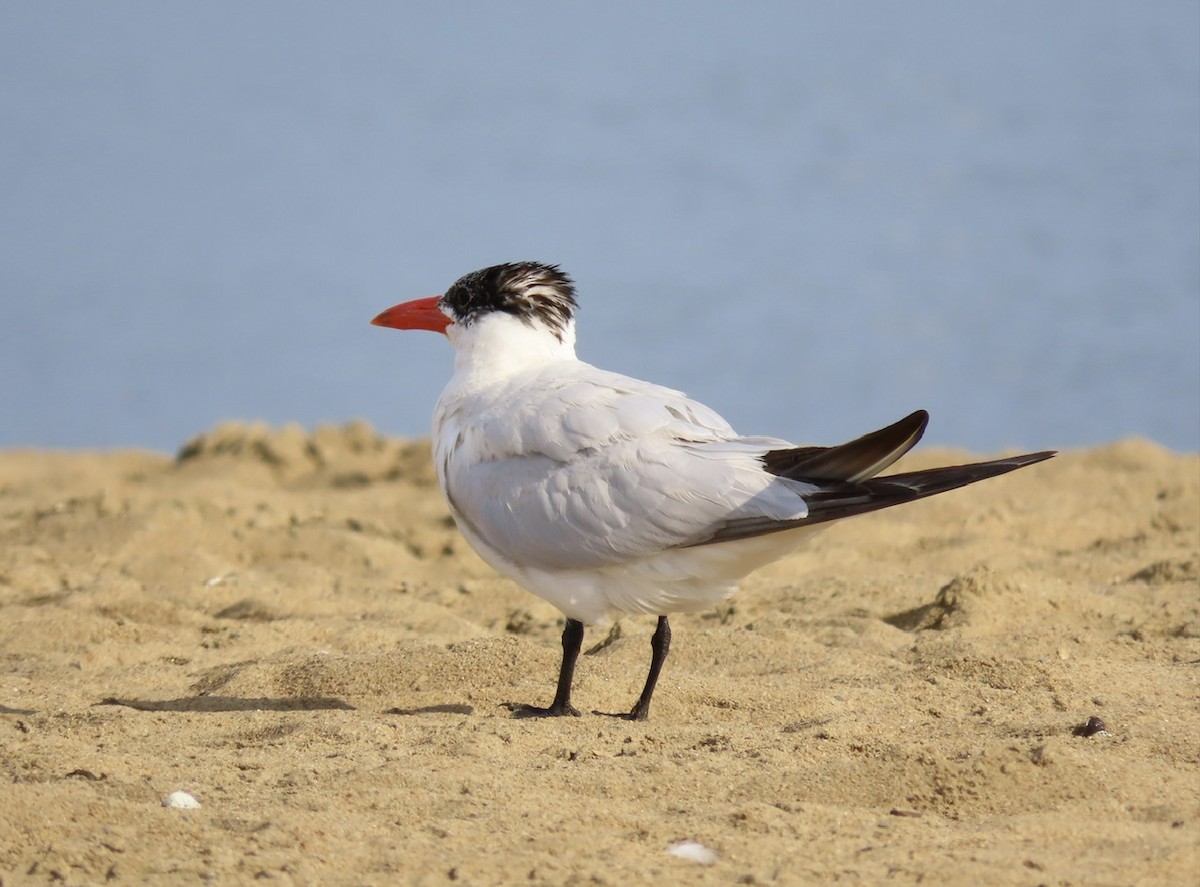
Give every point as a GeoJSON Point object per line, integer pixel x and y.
{"type": "Point", "coordinates": [679, 580]}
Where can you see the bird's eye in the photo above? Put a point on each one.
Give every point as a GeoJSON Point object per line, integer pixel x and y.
{"type": "Point", "coordinates": [454, 302]}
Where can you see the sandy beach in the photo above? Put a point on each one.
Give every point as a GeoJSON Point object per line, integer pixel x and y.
{"type": "Point", "coordinates": [286, 625]}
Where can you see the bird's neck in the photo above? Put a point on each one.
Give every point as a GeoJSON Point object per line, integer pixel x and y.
{"type": "Point", "coordinates": [501, 345]}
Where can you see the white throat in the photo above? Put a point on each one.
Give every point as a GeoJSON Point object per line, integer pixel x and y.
{"type": "Point", "coordinates": [501, 344]}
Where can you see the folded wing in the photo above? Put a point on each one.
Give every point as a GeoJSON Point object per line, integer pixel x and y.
{"type": "Point", "coordinates": [598, 469]}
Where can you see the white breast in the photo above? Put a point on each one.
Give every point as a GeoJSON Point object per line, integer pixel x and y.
{"type": "Point", "coordinates": [590, 488]}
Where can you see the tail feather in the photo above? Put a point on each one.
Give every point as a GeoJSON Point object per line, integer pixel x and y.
{"type": "Point", "coordinates": [861, 458]}
{"type": "Point", "coordinates": [845, 481]}
{"type": "Point", "coordinates": [833, 502]}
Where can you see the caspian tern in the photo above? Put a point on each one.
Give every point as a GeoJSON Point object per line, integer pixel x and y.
{"type": "Point", "coordinates": [603, 494]}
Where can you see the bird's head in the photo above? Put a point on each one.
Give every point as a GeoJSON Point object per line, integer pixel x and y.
{"type": "Point", "coordinates": [538, 296]}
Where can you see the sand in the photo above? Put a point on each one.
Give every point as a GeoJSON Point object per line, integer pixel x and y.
{"type": "Point", "coordinates": [287, 626]}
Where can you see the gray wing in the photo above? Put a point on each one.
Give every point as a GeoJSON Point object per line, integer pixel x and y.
{"type": "Point", "coordinates": [593, 469]}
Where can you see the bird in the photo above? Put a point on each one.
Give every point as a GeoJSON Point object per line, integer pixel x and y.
{"type": "Point", "coordinates": [606, 495]}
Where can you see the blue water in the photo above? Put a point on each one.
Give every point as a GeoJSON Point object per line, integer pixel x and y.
{"type": "Point", "coordinates": [814, 217]}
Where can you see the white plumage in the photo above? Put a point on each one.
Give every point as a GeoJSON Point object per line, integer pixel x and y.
{"type": "Point", "coordinates": [605, 494]}
{"type": "Point", "coordinates": [595, 490]}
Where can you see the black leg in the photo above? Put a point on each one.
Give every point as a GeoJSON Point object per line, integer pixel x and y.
{"type": "Point", "coordinates": [660, 645]}
{"type": "Point", "coordinates": [572, 640]}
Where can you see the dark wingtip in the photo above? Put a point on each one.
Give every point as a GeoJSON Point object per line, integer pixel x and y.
{"type": "Point", "coordinates": [841, 498]}
{"type": "Point", "coordinates": [1034, 458]}
{"type": "Point", "coordinates": [860, 458]}
{"type": "Point", "coordinates": [930, 481]}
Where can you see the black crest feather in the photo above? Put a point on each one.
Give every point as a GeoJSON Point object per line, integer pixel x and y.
{"type": "Point", "coordinates": [531, 291]}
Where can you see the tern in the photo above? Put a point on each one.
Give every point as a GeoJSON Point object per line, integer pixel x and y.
{"type": "Point", "coordinates": [607, 495]}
